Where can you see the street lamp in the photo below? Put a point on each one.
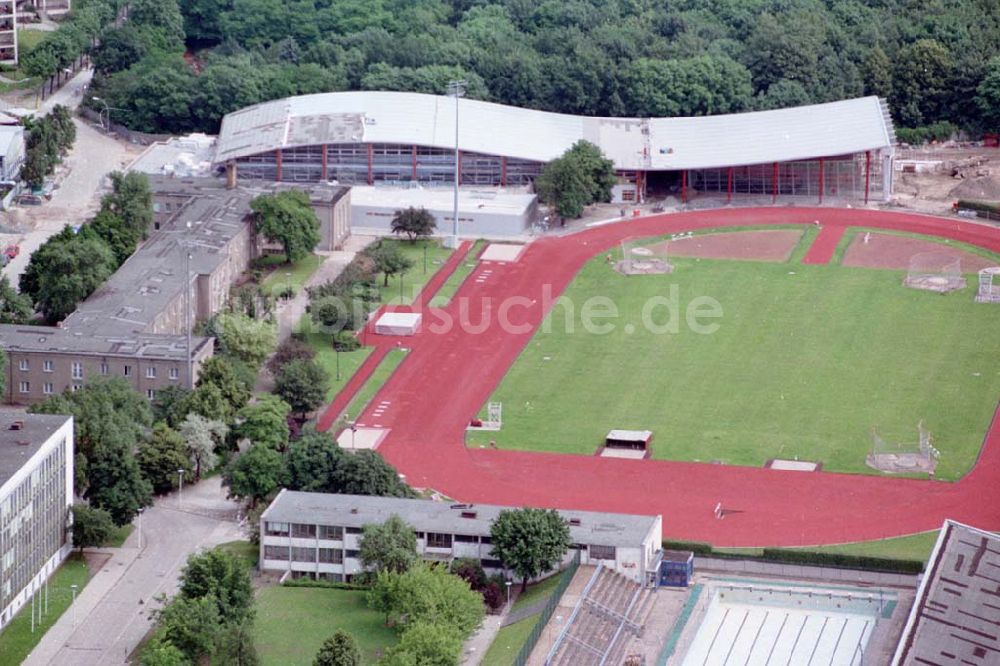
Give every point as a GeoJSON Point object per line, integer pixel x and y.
{"type": "Point", "coordinates": [140, 527]}
{"type": "Point", "coordinates": [180, 487]}
{"type": "Point", "coordinates": [107, 110]}
{"type": "Point", "coordinates": [456, 89]}
{"type": "Point", "coordinates": [508, 583]}
{"type": "Point", "coordinates": [288, 285]}
{"type": "Point", "coordinates": [73, 588]}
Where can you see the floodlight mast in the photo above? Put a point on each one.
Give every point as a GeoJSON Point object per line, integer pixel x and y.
{"type": "Point", "coordinates": [456, 89]}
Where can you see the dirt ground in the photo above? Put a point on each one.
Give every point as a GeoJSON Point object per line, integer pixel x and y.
{"type": "Point", "coordinates": [952, 174]}
{"type": "Point", "coordinates": [763, 245]}
{"type": "Point", "coordinates": [894, 252]}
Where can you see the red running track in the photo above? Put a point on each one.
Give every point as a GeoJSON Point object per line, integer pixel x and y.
{"type": "Point", "coordinates": [452, 372]}
{"type": "Point", "coordinates": [824, 246]}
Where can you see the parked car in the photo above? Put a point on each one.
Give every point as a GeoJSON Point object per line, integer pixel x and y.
{"type": "Point", "coordinates": [11, 251]}
{"type": "Point", "coordinates": [29, 200]}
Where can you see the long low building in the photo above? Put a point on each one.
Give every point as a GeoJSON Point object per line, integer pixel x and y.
{"type": "Point", "coordinates": [318, 534]}
{"type": "Point", "coordinates": [839, 149]}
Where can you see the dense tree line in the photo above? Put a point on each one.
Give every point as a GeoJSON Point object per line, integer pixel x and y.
{"type": "Point", "coordinates": [594, 57]}
{"type": "Point", "coordinates": [75, 36]}
{"type": "Point", "coordinates": [49, 137]}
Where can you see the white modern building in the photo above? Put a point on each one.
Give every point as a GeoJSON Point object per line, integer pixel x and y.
{"type": "Point", "coordinates": [36, 496]}
{"type": "Point", "coordinates": [11, 153]}
{"type": "Point", "coordinates": [841, 149]}
{"type": "Point", "coordinates": [318, 535]}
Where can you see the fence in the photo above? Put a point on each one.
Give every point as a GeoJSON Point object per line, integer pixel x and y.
{"type": "Point", "coordinates": [564, 578]}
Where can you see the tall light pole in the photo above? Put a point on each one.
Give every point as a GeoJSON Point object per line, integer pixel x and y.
{"type": "Point", "coordinates": [180, 487]}
{"type": "Point", "coordinates": [187, 308]}
{"type": "Point", "coordinates": [457, 89]}
{"type": "Point", "coordinates": [140, 528]}
{"type": "Point", "coordinates": [73, 588]}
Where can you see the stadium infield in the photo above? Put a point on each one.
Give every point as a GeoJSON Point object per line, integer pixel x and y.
{"type": "Point", "coordinates": [805, 362]}
{"type": "Point", "coordinates": [453, 370]}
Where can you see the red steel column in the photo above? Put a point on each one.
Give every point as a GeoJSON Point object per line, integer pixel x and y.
{"type": "Point", "coordinates": [414, 162]}
{"type": "Point", "coordinates": [684, 186]}
{"type": "Point", "coordinates": [729, 186]}
{"type": "Point", "coordinates": [324, 175]}
{"type": "Point", "coordinates": [822, 168]}
{"type": "Point", "coordinates": [277, 164]}
{"type": "Point", "coordinates": [868, 172]}
{"type": "Point", "coordinates": [774, 182]}
{"type": "Point", "coordinates": [503, 172]}
{"type": "Point", "coordinates": [371, 179]}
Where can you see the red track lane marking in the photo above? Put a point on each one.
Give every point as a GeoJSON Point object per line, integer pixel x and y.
{"type": "Point", "coordinates": [448, 376]}
{"type": "Point", "coordinates": [824, 245]}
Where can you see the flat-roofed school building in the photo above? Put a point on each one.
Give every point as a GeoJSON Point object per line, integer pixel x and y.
{"type": "Point", "coordinates": [318, 534]}
{"type": "Point", "coordinates": [36, 494]}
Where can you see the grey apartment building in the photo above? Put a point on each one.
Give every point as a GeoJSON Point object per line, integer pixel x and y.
{"type": "Point", "coordinates": [36, 494]}
{"type": "Point", "coordinates": [318, 535]}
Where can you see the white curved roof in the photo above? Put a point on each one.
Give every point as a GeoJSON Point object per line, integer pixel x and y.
{"type": "Point", "coordinates": [818, 130]}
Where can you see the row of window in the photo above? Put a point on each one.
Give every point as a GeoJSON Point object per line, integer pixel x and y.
{"type": "Point", "coordinates": [77, 369]}
{"type": "Point", "coordinates": [49, 389]}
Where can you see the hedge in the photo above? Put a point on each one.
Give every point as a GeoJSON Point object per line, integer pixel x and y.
{"type": "Point", "coordinates": [309, 582]}
{"type": "Point", "coordinates": [979, 206]}
{"type": "Point", "coordinates": [812, 558]}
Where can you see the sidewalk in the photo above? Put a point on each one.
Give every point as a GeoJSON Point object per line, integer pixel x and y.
{"type": "Point", "coordinates": [479, 643]}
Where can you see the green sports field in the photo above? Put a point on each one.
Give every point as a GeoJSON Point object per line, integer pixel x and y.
{"type": "Point", "coordinates": [805, 361]}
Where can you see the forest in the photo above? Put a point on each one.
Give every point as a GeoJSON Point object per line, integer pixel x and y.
{"type": "Point", "coordinates": [177, 66]}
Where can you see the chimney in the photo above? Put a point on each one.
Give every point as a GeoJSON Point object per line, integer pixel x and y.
{"type": "Point", "coordinates": [230, 174]}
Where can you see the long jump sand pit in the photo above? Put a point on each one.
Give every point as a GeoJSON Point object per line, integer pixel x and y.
{"type": "Point", "coordinates": [894, 252]}
{"type": "Point", "coordinates": [753, 245]}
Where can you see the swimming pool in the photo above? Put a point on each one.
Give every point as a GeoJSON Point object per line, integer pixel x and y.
{"type": "Point", "coordinates": [758, 624]}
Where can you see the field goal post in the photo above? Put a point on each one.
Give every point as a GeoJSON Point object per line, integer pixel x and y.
{"type": "Point", "coordinates": [494, 416]}
{"type": "Point", "coordinates": [644, 256]}
{"type": "Point", "coordinates": [894, 458]}
{"type": "Point", "coordinates": [935, 271]}
{"type": "Point", "coordinates": [989, 285]}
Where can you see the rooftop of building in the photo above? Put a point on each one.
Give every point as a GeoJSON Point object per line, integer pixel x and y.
{"type": "Point", "coordinates": [955, 616]}
{"type": "Point", "coordinates": [181, 156]}
{"type": "Point", "coordinates": [482, 199]}
{"type": "Point", "coordinates": [55, 339]}
{"type": "Point", "coordinates": [8, 135]}
{"type": "Point", "coordinates": [760, 137]}
{"type": "Point", "coordinates": [602, 529]}
{"type": "Point", "coordinates": [21, 436]}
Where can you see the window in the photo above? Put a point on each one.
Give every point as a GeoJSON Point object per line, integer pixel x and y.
{"type": "Point", "coordinates": [127, 371]}
{"type": "Point", "coordinates": [25, 387]}
{"type": "Point", "coordinates": [47, 388]}
{"type": "Point", "coordinates": [485, 540]}
{"type": "Point", "coordinates": [334, 532]}
{"type": "Point", "coordinates": [78, 371]}
{"type": "Point", "coordinates": [104, 368]}
{"type": "Point", "coordinates": [331, 555]}
{"type": "Point", "coordinates": [23, 364]}
{"type": "Point", "coordinates": [174, 374]}
{"type": "Point", "coordinates": [351, 553]}
{"type": "Point", "coordinates": [47, 366]}
{"type": "Point", "coordinates": [276, 553]}
{"type": "Point", "coordinates": [436, 540]}
{"type": "Point", "coordinates": [303, 554]}
{"type": "Point", "coordinates": [602, 552]}
{"type": "Point", "coordinates": [466, 538]}
{"type": "Point", "coordinates": [303, 531]}
{"type": "Point", "coordinates": [151, 372]}
{"type": "Point", "coordinates": [77, 387]}
{"type": "Point", "coordinates": [354, 530]}
{"type": "Point", "coordinates": [491, 564]}
{"type": "Point", "coordinates": [276, 529]}
{"type": "Point", "coordinates": [150, 394]}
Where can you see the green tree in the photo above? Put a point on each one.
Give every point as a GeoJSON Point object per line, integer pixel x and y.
{"type": "Point", "coordinates": [338, 650]}
{"type": "Point", "coordinates": [247, 339]}
{"type": "Point", "coordinates": [65, 270]}
{"type": "Point", "coordinates": [702, 85]}
{"type": "Point", "coordinates": [219, 371]}
{"type": "Point", "coordinates": [389, 546]}
{"type": "Point", "coordinates": [115, 482]}
{"type": "Point", "coordinates": [988, 96]}
{"type": "Point", "coordinates": [223, 578]}
{"type": "Point", "coordinates": [15, 308]}
{"type": "Point", "coordinates": [920, 82]}
{"type": "Point", "coordinates": [389, 260]}
{"type": "Point", "coordinates": [207, 401]}
{"type": "Point", "coordinates": [160, 456]}
{"type": "Point", "coordinates": [170, 405]}
{"type": "Point", "coordinates": [91, 526]}
{"type": "Point", "coordinates": [235, 645]}
{"type": "Point", "coordinates": [36, 166]}
{"type": "Point", "coordinates": [580, 177]}
{"type": "Point", "coordinates": [191, 625]}
{"type": "Point", "coordinates": [302, 384]}
{"type": "Point", "coordinates": [289, 350]}
{"type": "Point", "coordinates": [265, 422]}
{"type": "Point", "coordinates": [426, 593]}
{"type": "Point", "coordinates": [109, 228]}
{"type": "Point", "coordinates": [202, 436]}
{"type": "Point", "coordinates": [414, 222]}
{"type": "Point", "coordinates": [367, 473]}
{"type": "Point", "coordinates": [313, 459]}
{"type": "Point", "coordinates": [287, 218]}
{"type": "Point", "coordinates": [131, 200]}
{"type": "Point", "coordinates": [255, 474]}
{"type": "Point", "coordinates": [160, 652]}
{"type": "Point", "coordinates": [426, 644]}
{"type": "Point", "coordinates": [529, 541]}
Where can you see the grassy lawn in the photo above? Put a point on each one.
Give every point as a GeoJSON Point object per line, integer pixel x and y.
{"type": "Point", "coordinates": [242, 549]}
{"type": "Point", "coordinates": [418, 275]}
{"type": "Point", "coordinates": [118, 536]}
{"type": "Point", "coordinates": [17, 641]}
{"type": "Point", "coordinates": [913, 547]}
{"type": "Point", "coordinates": [283, 274]}
{"type": "Point", "coordinates": [538, 592]}
{"type": "Point", "coordinates": [292, 624]}
{"type": "Point", "coordinates": [805, 362]}
{"type": "Point", "coordinates": [457, 278]}
{"type": "Point", "coordinates": [508, 642]}
{"type": "Point", "coordinates": [327, 358]}
{"type": "Point", "coordinates": [381, 375]}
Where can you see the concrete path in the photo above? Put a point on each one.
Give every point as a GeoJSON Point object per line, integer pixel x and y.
{"type": "Point", "coordinates": [111, 615]}
{"type": "Point", "coordinates": [479, 643]}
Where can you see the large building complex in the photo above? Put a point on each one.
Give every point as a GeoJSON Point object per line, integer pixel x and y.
{"type": "Point", "coordinates": [36, 494]}
{"type": "Point", "coordinates": [15, 13]}
{"type": "Point", "coordinates": [317, 534]}
{"type": "Point", "coordinates": [840, 150]}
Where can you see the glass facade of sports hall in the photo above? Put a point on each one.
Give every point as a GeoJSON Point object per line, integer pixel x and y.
{"type": "Point", "coordinates": [856, 177]}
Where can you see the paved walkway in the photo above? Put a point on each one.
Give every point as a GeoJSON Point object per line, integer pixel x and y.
{"type": "Point", "coordinates": [478, 644]}
{"type": "Point", "coordinates": [111, 614]}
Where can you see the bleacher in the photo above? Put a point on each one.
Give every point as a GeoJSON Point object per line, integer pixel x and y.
{"type": "Point", "coordinates": [956, 616]}
{"type": "Point", "coordinates": [611, 613]}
